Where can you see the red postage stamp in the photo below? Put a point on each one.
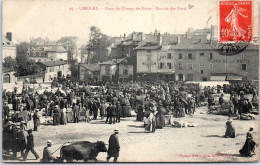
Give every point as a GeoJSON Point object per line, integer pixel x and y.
{"type": "Point", "coordinates": [235, 21]}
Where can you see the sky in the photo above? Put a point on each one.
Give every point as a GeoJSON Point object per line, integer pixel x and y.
{"type": "Point", "coordinates": [55, 18]}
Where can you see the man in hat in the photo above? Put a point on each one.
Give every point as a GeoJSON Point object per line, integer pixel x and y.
{"type": "Point", "coordinates": [109, 114]}
{"type": "Point", "coordinates": [56, 115]}
{"type": "Point", "coordinates": [36, 120]}
{"type": "Point", "coordinates": [25, 116]}
{"type": "Point", "coordinates": [47, 154]}
{"type": "Point", "coordinates": [76, 113]}
{"type": "Point", "coordinates": [30, 146]}
{"type": "Point", "coordinates": [221, 99]}
{"type": "Point", "coordinates": [6, 110]}
{"type": "Point", "coordinates": [114, 147]}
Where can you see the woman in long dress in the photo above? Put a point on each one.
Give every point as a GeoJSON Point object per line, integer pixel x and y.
{"type": "Point", "coordinates": [230, 131]}
{"type": "Point", "coordinates": [248, 149]}
{"type": "Point", "coordinates": [63, 118]}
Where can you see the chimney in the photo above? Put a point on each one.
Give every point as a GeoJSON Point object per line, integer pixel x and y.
{"type": "Point", "coordinates": [9, 36]}
{"type": "Point", "coordinates": [159, 38]}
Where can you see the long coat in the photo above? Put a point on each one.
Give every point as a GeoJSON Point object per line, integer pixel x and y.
{"type": "Point", "coordinates": [36, 119]}
{"type": "Point", "coordinates": [47, 155]}
{"type": "Point", "coordinates": [114, 147]}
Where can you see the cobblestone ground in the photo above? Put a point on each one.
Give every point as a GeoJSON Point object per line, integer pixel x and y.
{"type": "Point", "coordinates": [204, 143]}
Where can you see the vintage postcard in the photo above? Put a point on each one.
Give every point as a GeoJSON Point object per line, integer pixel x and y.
{"type": "Point", "coordinates": [130, 81]}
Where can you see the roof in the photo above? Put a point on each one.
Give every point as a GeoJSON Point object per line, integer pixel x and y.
{"type": "Point", "coordinates": [91, 67]}
{"type": "Point", "coordinates": [113, 61]}
{"type": "Point", "coordinates": [56, 48]}
{"type": "Point", "coordinates": [135, 36]}
{"type": "Point", "coordinates": [190, 43]}
{"type": "Point", "coordinates": [149, 43]}
{"type": "Point", "coordinates": [7, 42]}
{"type": "Point", "coordinates": [52, 63]}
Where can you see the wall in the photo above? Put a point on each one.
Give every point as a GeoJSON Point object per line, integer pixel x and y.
{"type": "Point", "coordinates": [8, 51]}
{"type": "Point", "coordinates": [57, 55]}
{"type": "Point", "coordinates": [218, 64]}
{"type": "Point", "coordinates": [142, 60]}
{"type": "Point", "coordinates": [52, 72]}
{"type": "Point", "coordinates": [111, 71]}
{"type": "Point", "coordinates": [129, 69]}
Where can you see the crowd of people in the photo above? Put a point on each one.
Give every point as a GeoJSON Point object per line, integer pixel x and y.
{"type": "Point", "coordinates": [70, 101]}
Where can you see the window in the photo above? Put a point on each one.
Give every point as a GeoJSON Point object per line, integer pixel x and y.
{"type": "Point", "coordinates": [244, 67]}
{"type": "Point", "coordinates": [201, 54]}
{"type": "Point", "coordinates": [189, 56]}
{"type": "Point", "coordinates": [179, 66]}
{"type": "Point", "coordinates": [148, 58]}
{"type": "Point", "coordinates": [51, 69]}
{"type": "Point", "coordinates": [211, 66]}
{"type": "Point", "coordinates": [201, 71]}
{"type": "Point", "coordinates": [169, 56]}
{"type": "Point", "coordinates": [161, 65]}
{"type": "Point", "coordinates": [169, 65]}
{"type": "Point", "coordinates": [149, 51]}
{"type": "Point", "coordinates": [125, 72]}
{"type": "Point", "coordinates": [201, 65]}
{"type": "Point", "coordinates": [190, 66]}
{"type": "Point", "coordinates": [28, 54]}
{"type": "Point", "coordinates": [210, 56]}
{"type": "Point", "coordinates": [180, 56]}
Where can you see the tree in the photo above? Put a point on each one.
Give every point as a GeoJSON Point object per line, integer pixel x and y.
{"type": "Point", "coordinates": [9, 62]}
{"type": "Point", "coordinates": [25, 66]}
{"type": "Point", "coordinates": [97, 46]}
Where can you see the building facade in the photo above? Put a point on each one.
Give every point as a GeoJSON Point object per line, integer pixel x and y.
{"type": "Point", "coordinates": [116, 69]}
{"type": "Point", "coordinates": [47, 53]}
{"type": "Point", "coordinates": [89, 72]}
{"type": "Point", "coordinates": [191, 57]}
{"type": "Point", "coordinates": [54, 69]}
{"type": "Point", "coordinates": [8, 47]}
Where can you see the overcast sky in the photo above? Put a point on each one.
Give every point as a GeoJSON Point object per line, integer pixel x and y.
{"type": "Point", "coordinates": [53, 19]}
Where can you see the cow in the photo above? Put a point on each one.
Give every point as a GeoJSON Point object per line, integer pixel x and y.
{"type": "Point", "coordinates": [82, 150]}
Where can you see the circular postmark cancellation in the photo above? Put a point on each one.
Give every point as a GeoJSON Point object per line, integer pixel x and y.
{"type": "Point", "coordinates": [229, 48]}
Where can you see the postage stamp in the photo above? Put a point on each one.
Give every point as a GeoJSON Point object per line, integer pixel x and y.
{"type": "Point", "coordinates": [235, 21]}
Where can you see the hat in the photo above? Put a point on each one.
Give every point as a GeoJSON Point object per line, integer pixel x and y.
{"type": "Point", "coordinates": [116, 130]}
{"type": "Point", "coordinates": [56, 106]}
{"type": "Point", "coordinates": [49, 142]}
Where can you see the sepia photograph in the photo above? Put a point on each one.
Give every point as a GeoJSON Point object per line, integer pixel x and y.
{"type": "Point", "coordinates": [130, 81]}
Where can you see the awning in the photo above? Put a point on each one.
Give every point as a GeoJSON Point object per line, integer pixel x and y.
{"type": "Point", "coordinates": [234, 78]}
{"type": "Point", "coordinates": [217, 78]}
